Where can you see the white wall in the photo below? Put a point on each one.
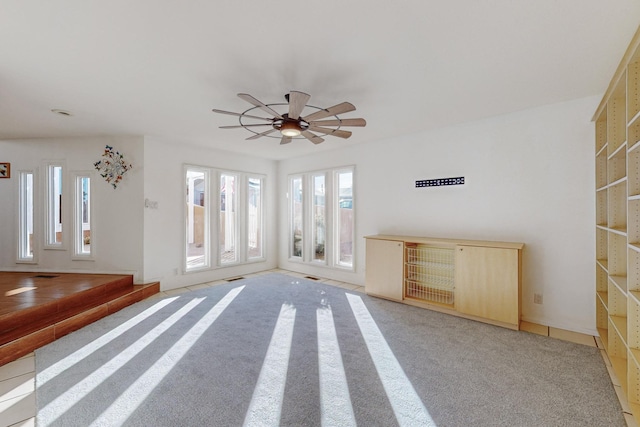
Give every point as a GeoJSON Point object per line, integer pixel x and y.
{"type": "Point", "coordinates": [117, 214]}
{"type": "Point", "coordinates": [163, 227]}
{"type": "Point", "coordinates": [529, 178]}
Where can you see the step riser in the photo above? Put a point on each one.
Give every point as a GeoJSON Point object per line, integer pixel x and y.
{"type": "Point", "coordinates": [57, 326]}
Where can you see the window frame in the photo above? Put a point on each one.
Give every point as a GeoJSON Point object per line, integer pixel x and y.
{"type": "Point", "coordinates": [49, 242]}
{"type": "Point", "coordinates": [332, 219]}
{"type": "Point", "coordinates": [22, 238]}
{"type": "Point", "coordinates": [292, 215]}
{"type": "Point", "coordinates": [237, 210]}
{"type": "Point", "coordinates": [213, 255]}
{"type": "Point", "coordinates": [207, 185]}
{"type": "Point", "coordinates": [78, 223]}
{"type": "Point", "coordinates": [260, 212]}
{"type": "Point", "coordinates": [338, 216]}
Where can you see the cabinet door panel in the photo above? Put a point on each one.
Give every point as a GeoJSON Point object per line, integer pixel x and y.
{"type": "Point", "coordinates": [487, 283]}
{"type": "Point", "coordinates": [384, 269]}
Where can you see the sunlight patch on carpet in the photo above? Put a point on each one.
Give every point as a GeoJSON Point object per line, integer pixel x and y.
{"type": "Point", "coordinates": [266, 404]}
{"type": "Point", "coordinates": [72, 396]}
{"type": "Point", "coordinates": [407, 406]}
{"type": "Point", "coordinates": [335, 400]}
{"type": "Point", "coordinates": [78, 355]}
{"type": "Point", "coordinates": [126, 404]}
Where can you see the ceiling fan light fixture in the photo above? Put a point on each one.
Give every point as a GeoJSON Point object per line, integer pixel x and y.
{"type": "Point", "coordinates": [290, 129]}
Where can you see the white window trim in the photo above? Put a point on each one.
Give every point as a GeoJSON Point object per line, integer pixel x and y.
{"type": "Point", "coordinates": [336, 221]}
{"type": "Point", "coordinates": [207, 222]}
{"type": "Point", "coordinates": [50, 204]}
{"type": "Point", "coordinates": [239, 205]}
{"type": "Point", "coordinates": [290, 209]}
{"type": "Point", "coordinates": [22, 220]}
{"type": "Point", "coordinates": [332, 211]}
{"type": "Point", "coordinates": [262, 223]}
{"type": "Point", "coordinates": [213, 256]}
{"type": "Point", "coordinates": [78, 232]}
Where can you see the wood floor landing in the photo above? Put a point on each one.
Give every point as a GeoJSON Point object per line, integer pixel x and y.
{"type": "Point", "coordinates": [38, 308]}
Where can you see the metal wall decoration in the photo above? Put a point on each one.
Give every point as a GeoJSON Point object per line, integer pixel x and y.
{"type": "Point", "coordinates": [112, 167]}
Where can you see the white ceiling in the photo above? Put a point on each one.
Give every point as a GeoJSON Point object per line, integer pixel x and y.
{"type": "Point", "coordinates": [158, 67]}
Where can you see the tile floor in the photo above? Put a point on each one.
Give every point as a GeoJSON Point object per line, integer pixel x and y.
{"type": "Point", "coordinates": [17, 379]}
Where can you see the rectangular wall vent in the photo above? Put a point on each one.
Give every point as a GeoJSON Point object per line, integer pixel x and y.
{"type": "Point", "coordinates": [438, 182]}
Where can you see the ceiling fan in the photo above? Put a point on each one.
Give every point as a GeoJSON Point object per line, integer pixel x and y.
{"type": "Point", "coordinates": [291, 124]}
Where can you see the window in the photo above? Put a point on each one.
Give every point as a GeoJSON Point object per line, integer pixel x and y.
{"type": "Point", "coordinates": [321, 217]}
{"type": "Point", "coordinates": [25, 216]}
{"type": "Point", "coordinates": [54, 217]}
{"type": "Point", "coordinates": [296, 217]}
{"type": "Point", "coordinates": [228, 232]}
{"type": "Point", "coordinates": [344, 218]}
{"type": "Point", "coordinates": [254, 218]}
{"type": "Point", "coordinates": [197, 215]}
{"type": "Point", "coordinates": [82, 217]}
{"type": "Point", "coordinates": [239, 215]}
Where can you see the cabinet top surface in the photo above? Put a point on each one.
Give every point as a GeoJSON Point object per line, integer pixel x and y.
{"type": "Point", "coordinates": [443, 241]}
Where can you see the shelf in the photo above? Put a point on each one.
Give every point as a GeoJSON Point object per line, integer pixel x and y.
{"type": "Point", "coordinates": [634, 119]}
{"type": "Point", "coordinates": [620, 368]}
{"type": "Point", "coordinates": [619, 152]}
{"type": "Point", "coordinates": [604, 263]}
{"type": "Point", "coordinates": [602, 295]}
{"type": "Point", "coordinates": [601, 134]}
{"type": "Point", "coordinates": [621, 231]}
{"type": "Point", "coordinates": [633, 92]}
{"type": "Point", "coordinates": [620, 282]}
{"type": "Point", "coordinates": [619, 181]}
{"type": "Point", "coordinates": [620, 323]}
{"type": "Point", "coordinates": [634, 146]}
{"type": "Point", "coordinates": [604, 337]}
{"type": "Point", "coordinates": [617, 254]}
{"type": "Point", "coordinates": [616, 301]}
{"type": "Point", "coordinates": [633, 322]}
{"type": "Point", "coordinates": [633, 172]}
{"type": "Point", "coordinates": [633, 270]}
{"type": "Point", "coordinates": [601, 208]}
{"type": "Point", "coordinates": [617, 165]}
{"type": "Point", "coordinates": [602, 317]}
{"type": "Point", "coordinates": [617, 118]}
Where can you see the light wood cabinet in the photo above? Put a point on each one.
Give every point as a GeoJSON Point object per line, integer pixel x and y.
{"type": "Point", "coordinates": [384, 268]}
{"type": "Point", "coordinates": [487, 283]}
{"type": "Point", "coordinates": [480, 280]}
{"type": "Point", "coordinates": [617, 245]}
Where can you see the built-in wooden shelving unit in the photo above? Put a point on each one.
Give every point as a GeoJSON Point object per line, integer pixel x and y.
{"type": "Point", "coordinates": [617, 150]}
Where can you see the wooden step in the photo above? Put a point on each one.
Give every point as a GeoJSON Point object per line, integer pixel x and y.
{"type": "Point", "coordinates": [61, 308]}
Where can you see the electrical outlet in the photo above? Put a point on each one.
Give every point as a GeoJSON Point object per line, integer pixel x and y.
{"type": "Point", "coordinates": [537, 298]}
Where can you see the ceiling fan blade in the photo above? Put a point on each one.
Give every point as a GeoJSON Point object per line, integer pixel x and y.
{"type": "Point", "coordinates": [342, 108]}
{"type": "Point", "coordinates": [240, 114]}
{"type": "Point", "coordinates": [334, 132]}
{"type": "Point", "coordinates": [244, 126]}
{"type": "Point", "coordinates": [256, 136]}
{"type": "Point", "coordinates": [340, 122]}
{"type": "Point", "coordinates": [251, 100]}
{"type": "Point", "coordinates": [285, 140]}
{"type": "Point", "coordinates": [311, 137]}
{"type": "Point", "coordinates": [297, 102]}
